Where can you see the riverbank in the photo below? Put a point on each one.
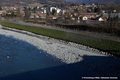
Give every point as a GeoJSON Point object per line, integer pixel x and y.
{"type": "Point", "coordinates": [67, 52]}
{"type": "Point", "coordinates": [109, 46]}
{"type": "Point", "coordinates": [26, 52]}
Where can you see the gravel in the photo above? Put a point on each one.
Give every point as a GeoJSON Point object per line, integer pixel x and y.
{"type": "Point", "coordinates": [67, 52]}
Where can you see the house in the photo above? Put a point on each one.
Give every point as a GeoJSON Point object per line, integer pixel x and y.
{"type": "Point", "coordinates": [2, 12]}
{"type": "Point", "coordinates": [35, 4]}
{"type": "Point", "coordinates": [58, 10]}
{"type": "Point", "coordinates": [101, 19]}
{"type": "Point", "coordinates": [85, 18]}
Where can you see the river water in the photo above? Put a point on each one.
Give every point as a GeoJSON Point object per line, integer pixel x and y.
{"type": "Point", "coordinates": [17, 56]}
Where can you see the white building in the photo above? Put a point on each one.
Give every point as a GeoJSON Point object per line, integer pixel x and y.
{"type": "Point", "coordinates": [57, 9]}
{"type": "Point", "coordinates": [85, 18]}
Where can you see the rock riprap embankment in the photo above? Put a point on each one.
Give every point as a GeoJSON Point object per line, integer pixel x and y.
{"type": "Point", "coordinates": [67, 52]}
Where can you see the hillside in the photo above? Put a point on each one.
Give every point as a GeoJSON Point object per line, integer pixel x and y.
{"type": "Point", "coordinates": [96, 1]}
{"type": "Point", "coordinates": [74, 1]}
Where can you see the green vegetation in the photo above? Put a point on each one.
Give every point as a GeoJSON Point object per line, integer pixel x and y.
{"type": "Point", "coordinates": [101, 44]}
